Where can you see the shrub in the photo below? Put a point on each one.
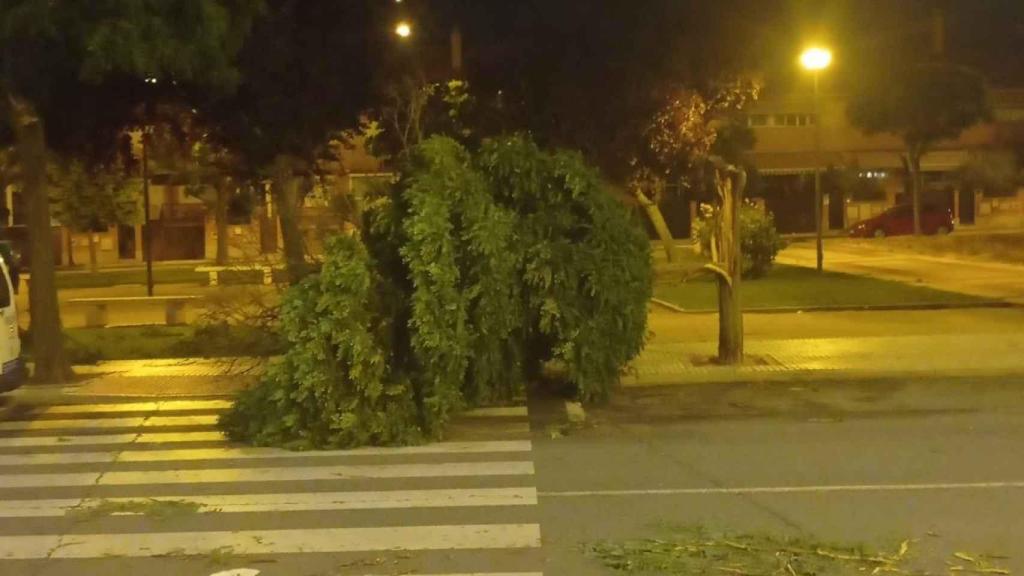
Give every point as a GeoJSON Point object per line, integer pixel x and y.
{"type": "Point", "coordinates": [760, 240]}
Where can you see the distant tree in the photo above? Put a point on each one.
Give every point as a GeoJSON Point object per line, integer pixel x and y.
{"type": "Point", "coordinates": [180, 145]}
{"type": "Point", "coordinates": [71, 77]}
{"type": "Point", "coordinates": [922, 104]}
{"type": "Point", "coordinates": [414, 109]}
{"type": "Point", "coordinates": [91, 199]}
{"type": "Point", "coordinates": [997, 172]}
{"type": "Point", "coordinates": [305, 78]}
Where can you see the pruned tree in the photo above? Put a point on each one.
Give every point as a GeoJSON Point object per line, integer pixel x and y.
{"type": "Point", "coordinates": [72, 75]}
{"type": "Point", "coordinates": [681, 137]}
{"type": "Point", "coordinates": [922, 104]}
{"type": "Point", "coordinates": [685, 140]}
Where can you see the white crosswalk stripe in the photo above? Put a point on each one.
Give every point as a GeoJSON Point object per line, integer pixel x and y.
{"type": "Point", "coordinates": [158, 492]}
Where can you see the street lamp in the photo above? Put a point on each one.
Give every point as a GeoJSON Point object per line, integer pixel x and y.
{"type": "Point", "coordinates": [403, 29]}
{"type": "Point", "coordinates": [817, 59]}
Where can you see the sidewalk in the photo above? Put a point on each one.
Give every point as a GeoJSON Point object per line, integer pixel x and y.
{"type": "Point", "coordinates": [843, 358]}
{"type": "Point", "coordinates": [159, 378]}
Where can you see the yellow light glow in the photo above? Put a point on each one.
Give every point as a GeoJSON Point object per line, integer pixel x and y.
{"type": "Point", "coordinates": [816, 58]}
{"type": "Point", "coordinates": [403, 29]}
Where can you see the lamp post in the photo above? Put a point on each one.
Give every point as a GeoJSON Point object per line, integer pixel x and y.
{"type": "Point", "coordinates": [817, 59]}
{"type": "Point", "coordinates": [403, 29]}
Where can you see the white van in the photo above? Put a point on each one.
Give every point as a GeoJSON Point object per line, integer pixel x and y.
{"type": "Point", "coordinates": [10, 343]}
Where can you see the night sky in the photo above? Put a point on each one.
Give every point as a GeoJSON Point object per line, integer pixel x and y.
{"type": "Point", "coordinates": [581, 72]}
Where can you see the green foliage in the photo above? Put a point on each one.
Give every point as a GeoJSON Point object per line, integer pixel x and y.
{"type": "Point", "coordinates": [93, 199]}
{"type": "Point", "coordinates": [459, 248]}
{"type": "Point", "coordinates": [759, 239]}
{"type": "Point", "coordinates": [586, 267]}
{"type": "Point", "coordinates": [336, 386]}
{"type": "Point", "coordinates": [697, 550]}
{"type": "Point", "coordinates": [475, 272]}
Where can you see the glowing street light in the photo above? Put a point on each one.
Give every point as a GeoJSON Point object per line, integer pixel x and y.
{"type": "Point", "coordinates": [403, 29]}
{"type": "Point", "coordinates": [816, 58]}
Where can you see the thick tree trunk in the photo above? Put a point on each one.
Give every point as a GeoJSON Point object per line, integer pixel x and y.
{"type": "Point", "coordinates": [51, 363]}
{"type": "Point", "coordinates": [94, 264]}
{"type": "Point", "coordinates": [285, 189]}
{"type": "Point", "coordinates": [730, 268]}
{"type": "Point", "coordinates": [220, 215]}
{"type": "Point", "coordinates": [658, 221]}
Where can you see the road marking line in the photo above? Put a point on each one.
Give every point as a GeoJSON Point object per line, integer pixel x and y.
{"type": "Point", "coordinates": [293, 474]}
{"type": "Point", "coordinates": [330, 540]}
{"type": "Point", "coordinates": [253, 453]}
{"type": "Point", "coordinates": [788, 489]}
{"type": "Point", "coordinates": [130, 422]}
{"type": "Point", "coordinates": [301, 501]}
{"type": "Point", "coordinates": [155, 406]}
{"type": "Point", "coordinates": [105, 439]}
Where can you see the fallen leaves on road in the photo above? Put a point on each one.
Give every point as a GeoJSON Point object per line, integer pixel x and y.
{"type": "Point", "coordinates": [695, 550]}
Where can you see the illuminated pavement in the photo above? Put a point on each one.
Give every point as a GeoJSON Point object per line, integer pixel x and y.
{"type": "Point", "coordinates": [981, 278]}
{"type": "Point", "coordinates": [149, 486]}
{"type": "Point", "coordinates": [937, 355]}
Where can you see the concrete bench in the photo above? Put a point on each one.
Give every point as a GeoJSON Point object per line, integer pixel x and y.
{"type": "Point", "coordinates": [214, 271]}
{"type": "Point", "coordinates": [96, 312]}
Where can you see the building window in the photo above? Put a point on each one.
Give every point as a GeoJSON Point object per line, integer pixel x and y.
{"type": "Point", "coordinates": [757, 120]}
{"type": "Point", "coordinates": [794, 120]}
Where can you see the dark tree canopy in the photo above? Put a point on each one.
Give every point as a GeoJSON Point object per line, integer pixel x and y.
{"type": "Point", "coordinates": [922, 104]}
{"type": "Point", "coordinates": [83, 65]}
{"type": "Point", "coordinates": [304, 76]}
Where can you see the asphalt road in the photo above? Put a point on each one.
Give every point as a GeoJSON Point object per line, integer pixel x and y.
{"type": "Point", "coordinates": [981, 278]}
{"type": "Point", "coordinates": [937, 462]}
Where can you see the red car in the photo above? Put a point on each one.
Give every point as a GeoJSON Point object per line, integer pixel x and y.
{"type": "Point", "coordinates": [899, 220]}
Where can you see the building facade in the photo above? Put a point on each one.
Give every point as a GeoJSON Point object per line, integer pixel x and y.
{"type": "Point", "coordinates": [794, 138]}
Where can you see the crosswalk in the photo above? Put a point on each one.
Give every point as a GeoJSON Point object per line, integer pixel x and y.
{"type": "Point", "coordinates": [151, 487]}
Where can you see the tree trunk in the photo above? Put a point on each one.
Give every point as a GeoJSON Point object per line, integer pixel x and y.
{"type": "Point", "coordinates": [220, 216]}
{"type": "Point", "coordinates": [730, 264]}
{"type": "Point", "coordinates": [916, 183]}
{"type": "Point", "coordinates": [70, 247]}
{"type": "Point", "coordinates": [284, 188]}
{"type": "Point", "coordinates": [51, 364]}
{"type": "Point", "coordinates": [94, 265]}
{"type": "Point", "coordinates": [658, 221]}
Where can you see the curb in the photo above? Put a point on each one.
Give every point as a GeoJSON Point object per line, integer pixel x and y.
{"type": "Point", "coordinates": [847, 308]}
{"type": "Point", "coordinates": [732, 376]}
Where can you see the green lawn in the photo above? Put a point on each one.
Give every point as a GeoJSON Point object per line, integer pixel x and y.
{"type": "Point", "coordinates": [793, 286]}
{"type": "Point", "coordinates": [90, 345]}
{"type": "Point", "coordinates": [161, 275]}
